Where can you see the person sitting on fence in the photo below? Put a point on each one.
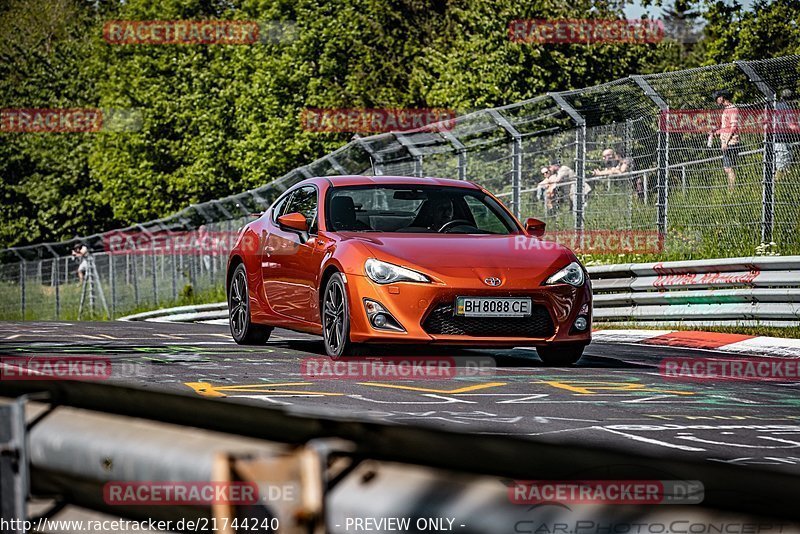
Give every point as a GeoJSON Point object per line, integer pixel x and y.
{"type": "Point", "coordinates": [616, 165]}
{"type": "Point", "coordinates": [556, 178]}
{"type": "Point", "coordinates": [81, 252]}
{"type": "Point", "coordinates": [548, 187]}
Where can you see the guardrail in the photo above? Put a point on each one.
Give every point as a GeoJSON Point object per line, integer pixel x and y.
{"type": "Point", "coordinates": [734, 291]}
{"type": "Point", "coordinates": [761, 290]}
{"type": "Point", "coordinates": [182, 314]}
{"type": "Point", "coordinates": [78, 437]}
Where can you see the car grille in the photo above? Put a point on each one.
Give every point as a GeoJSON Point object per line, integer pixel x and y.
{"type": "Point", "coordinates": [442, 321]}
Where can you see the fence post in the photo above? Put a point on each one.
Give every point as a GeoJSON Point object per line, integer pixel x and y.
{"type": "Point", "coordinates": [56, 287]}
{"type": "Point", "coordinates": [768, 160]}
{"type": "Point", "coordinates": [174, 278]}
{"type": "Point", "coordinates": [22, 275]}
{"type": "Point", "coordinates": [461, 152]}
{"type": "Point", "coordinates": [462, 165]}
{"type": "Point", "coordinates": [192, 273]}
{"type": "Point", "coordinates": [662, 196]}
{"type": "Point", "coordinates": [628, 152]}
{"type": "Point", "coordinates": [374, 158]}
{"type": "Point", "coordinates": [516, 159]}
{"type": "Point", "coordinates": [580, 158]}
{"type": "Point", "coordinates": [112, 283]}
{"type": "Point", "coordinates": [412, 150]}
{"type": "Point", "coordinates": [135, 282]}
{"type": "Point", "coordinates": [155, 278]}
{"type": "Point", "coordinates": [14, 476]}
{"type": "Point", "coordinates": [153, 265]}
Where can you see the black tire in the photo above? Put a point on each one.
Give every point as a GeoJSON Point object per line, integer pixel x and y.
{"type": "Point", "coordinates": [243, 329]}
{"type": "Point", "coordinates": [335, 314]}
{"type": "Point", "coordinates": [560, 354]}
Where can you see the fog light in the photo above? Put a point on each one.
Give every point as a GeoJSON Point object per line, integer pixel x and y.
{"type": "Point", "coordinates": [379, 320]}
{"type": "Point", "coordinates": [580, 323]}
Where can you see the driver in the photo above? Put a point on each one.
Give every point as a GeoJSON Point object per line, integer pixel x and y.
{"type": "Point", "coordinates": [441, 210]}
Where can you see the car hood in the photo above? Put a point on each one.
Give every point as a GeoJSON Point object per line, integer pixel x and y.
{"type": "Point", "coordinates": [454, 255]}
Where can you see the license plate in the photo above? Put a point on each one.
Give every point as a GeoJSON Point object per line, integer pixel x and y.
{"type": "Point", "coordinates": [493, 307]}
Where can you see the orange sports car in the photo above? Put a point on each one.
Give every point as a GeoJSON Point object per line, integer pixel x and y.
{"type": "Point", "coordinates": [366, 260]}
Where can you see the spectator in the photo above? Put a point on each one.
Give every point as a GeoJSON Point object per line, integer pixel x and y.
{"type": "Point", "coordinates": [81, 252]}
{"type": "Point", "coordinates": [787, 133]}
{"type": "Point", "coordinates": [728, 134]}
{"type": "Point", "coordinates": [548, 187]}
{"type": "Point", "coordinates": [616, 165]}
{"type": "Point", "coordinates": [556, 177]}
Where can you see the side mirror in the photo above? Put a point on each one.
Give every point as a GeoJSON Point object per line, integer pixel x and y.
{"type": "Point", "coordinates": [535, 227]}
{"type": "Point", "coordinates": [294, 221]}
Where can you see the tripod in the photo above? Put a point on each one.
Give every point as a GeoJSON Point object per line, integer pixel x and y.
{"type": "Point", "coordinates": [91, 283]}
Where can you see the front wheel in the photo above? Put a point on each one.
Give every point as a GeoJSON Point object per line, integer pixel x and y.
{"type": "Point", "coordinates": [336, 319]}
{"type": "Point", "coordinates": [243, 329]}
{"type": "Point", "coordinates": [560, 354]}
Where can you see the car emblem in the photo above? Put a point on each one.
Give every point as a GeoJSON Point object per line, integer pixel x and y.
{"type": "Point", "coordinates": [492, 281]}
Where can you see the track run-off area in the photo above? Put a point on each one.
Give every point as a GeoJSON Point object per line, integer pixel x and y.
{"type": "Point", "coordinates": [615, 396]}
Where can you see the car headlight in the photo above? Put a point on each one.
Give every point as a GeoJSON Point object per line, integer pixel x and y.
{"type": "Point", "coordinates": [386, 273]}
{"type": "Point", "coordinates": [572, 274]}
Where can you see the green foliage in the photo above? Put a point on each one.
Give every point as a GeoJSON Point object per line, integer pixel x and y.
{"type": "Point", "coordinates": [221, 119]}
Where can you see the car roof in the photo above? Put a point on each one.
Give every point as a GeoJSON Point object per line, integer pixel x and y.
{"type": "Point", "coordinates": [338, 181]}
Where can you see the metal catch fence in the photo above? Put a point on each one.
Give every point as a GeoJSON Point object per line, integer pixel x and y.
{"type": "Point", "coordinates": [633, 154]}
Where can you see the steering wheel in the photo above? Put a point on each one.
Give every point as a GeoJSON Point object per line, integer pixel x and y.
{"type": "Point", "coordinates": [454, 222]}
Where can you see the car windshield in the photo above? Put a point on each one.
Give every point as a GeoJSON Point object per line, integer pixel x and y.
{"type": "Point", "coordinates": [416, 209]}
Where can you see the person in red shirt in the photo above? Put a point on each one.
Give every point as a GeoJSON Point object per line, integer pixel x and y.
{"type": "Point", "coordinates": [728, 134]}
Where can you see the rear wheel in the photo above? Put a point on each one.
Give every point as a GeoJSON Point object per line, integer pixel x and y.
{"type": "Point", "coordinates": [243, 329]}
{"type": "Point", "coordinates": [560, 354]}
{"type": "Point", "coordinates": [336, 319]}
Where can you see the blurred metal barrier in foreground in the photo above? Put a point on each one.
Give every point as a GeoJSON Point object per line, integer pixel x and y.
{"type": "Point", "coordinates": [318, 473]}
{"type": "Point", "coordinates": [735, 291]}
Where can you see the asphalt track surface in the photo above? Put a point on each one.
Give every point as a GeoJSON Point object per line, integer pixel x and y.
{"type": "Point", "coordinates": [615, 396]}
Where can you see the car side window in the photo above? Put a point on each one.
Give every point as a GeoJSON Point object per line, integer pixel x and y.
{"type": "Point", "coordinates": [304, 201]}
{"type": "Point", "coordinates": [280, 207]}
{"type": "Point", "coordinates": [483, 216]}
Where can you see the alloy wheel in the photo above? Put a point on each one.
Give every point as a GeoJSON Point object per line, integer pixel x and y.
{"type": "Point", "coordinates": [334, 312]}
{"type": "Point", "coordinates": [238, 304]}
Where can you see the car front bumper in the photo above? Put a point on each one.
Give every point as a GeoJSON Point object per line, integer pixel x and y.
{"type": "Point", "coordinates": [412, 305]}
